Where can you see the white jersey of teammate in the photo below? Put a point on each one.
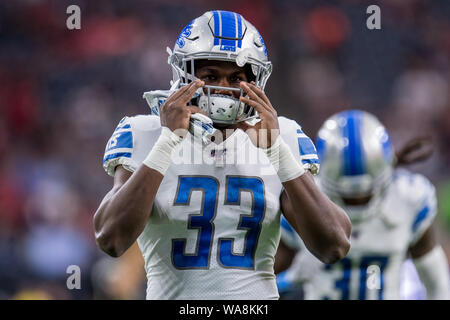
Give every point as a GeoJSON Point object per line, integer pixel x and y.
{"type": "Point", "coordinates": [215, 226]}
{"type": "Point", "coordinates": [372, 268]}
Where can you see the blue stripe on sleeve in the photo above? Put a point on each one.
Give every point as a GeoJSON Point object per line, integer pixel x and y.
{"type": "Point", "coordinates": [316, 161]}
{"type": "Point", "coordinates": [127, 126]}
{"type": "Point", "coordinates": [120, 140]}
{"type": "Point", "coordinates": [420, 217]}
{"type": "Point", "coordinates": [306, 146]}
{"type": "Point", "coordinates": [117, 155]}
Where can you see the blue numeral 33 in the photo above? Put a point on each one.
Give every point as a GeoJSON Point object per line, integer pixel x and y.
{"type": "Point", "coordinates": [204, 222]}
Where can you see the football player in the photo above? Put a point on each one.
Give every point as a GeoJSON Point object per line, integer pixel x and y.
{"type": "Point", "coordinates": [208, 223]}
{"type": "Point", "coordinates": [391, 211]}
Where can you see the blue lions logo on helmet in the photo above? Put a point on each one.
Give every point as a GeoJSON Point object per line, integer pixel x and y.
{"type": "Point", "coordinates": [186, 32]}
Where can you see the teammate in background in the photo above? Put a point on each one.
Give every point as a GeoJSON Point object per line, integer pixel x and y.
{"type": "Point", "coordinates": [391, 210]}
{"type": "Point", "coordinates": [209, 229]}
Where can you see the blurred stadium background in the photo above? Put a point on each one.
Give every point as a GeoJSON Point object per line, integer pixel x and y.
{"type": "Point", "coordinates": [63, 92]}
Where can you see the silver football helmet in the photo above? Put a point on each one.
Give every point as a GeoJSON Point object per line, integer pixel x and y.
{"type": "Point", "coordinates": [225, 36]}
{"type": "Point", "coordinates": [356, 161]}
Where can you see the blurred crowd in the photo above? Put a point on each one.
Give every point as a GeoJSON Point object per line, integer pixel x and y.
{"type": "Point", "coordinates": [62, 93]}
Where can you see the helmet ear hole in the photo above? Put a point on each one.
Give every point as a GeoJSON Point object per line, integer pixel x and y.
{"type": "Point", "coordinates": [249, 73]}
{"type": "Point", "coordinates": [188, 71]}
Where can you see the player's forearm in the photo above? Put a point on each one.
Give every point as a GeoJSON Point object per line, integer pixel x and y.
{"type": "Point", "coordinates": [123, 213]}
{"type": "Point", "coordinates": [433, 270]}
{"type": "Point", "coordinates": [324, 226]}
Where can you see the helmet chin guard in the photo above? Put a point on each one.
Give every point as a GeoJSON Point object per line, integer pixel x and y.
{"type": "Point", "coordinates": [224, 109]}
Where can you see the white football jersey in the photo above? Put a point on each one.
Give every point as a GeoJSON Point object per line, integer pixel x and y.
{"type": "Point", "coordinates": [215, 223]}
{"type": "Point", "coordinates": [372, 268]}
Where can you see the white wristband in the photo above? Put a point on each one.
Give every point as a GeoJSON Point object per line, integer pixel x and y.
{"type": "Point", "coordinates": [282, 159]}
{"type": "Point", "coordinates": [159, 158]}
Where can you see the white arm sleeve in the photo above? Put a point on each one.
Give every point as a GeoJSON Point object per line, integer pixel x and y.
{"type": "Point", "coordinates": [434, 273]}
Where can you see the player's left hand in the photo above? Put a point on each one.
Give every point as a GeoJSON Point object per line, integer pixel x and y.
{"type": "Point", "coordinates": [269, 118]}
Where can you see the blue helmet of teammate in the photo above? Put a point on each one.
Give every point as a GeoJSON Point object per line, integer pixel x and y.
{"type": "Point", "coordinates": [356, 161]}
{"type": "Point", "coordinates": [224, 36]}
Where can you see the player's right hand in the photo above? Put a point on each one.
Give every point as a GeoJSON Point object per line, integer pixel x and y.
{"type": "Point", "coordinates": [175, 112]}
